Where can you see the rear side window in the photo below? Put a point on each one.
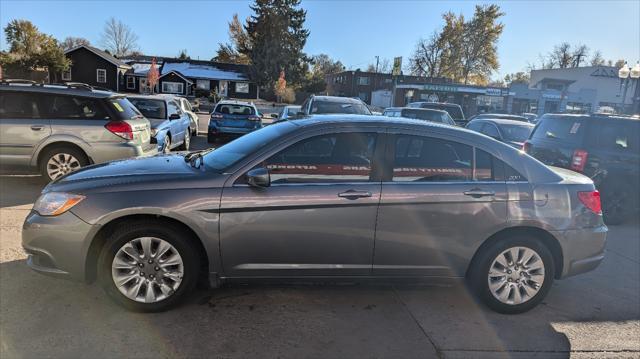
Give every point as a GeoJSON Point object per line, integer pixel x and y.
{"type": "Point", "coordinates": [618, 136]}
{"type": "Point", "coordinates": [124, 109]}
{"type": "Point", "coordinates": [341, 157]}
{"type": "Point", "coordinates": [484, 166]}
{"type": "Point", "coordinates": [427, 159]}
{"type": "Point", "coordinates": [18, 105]}
{"type": "Point", "coordinates": [231, 109]}
{"type": "Point", "coordinates": [566, 129]}
{"type": "Point", "coordinates": [72, 107]}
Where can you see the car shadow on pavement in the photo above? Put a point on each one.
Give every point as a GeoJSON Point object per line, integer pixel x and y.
{"type": "Point", "coordinates": [18, 190]}
{"type": "Point", "coordinates": [43, 316]}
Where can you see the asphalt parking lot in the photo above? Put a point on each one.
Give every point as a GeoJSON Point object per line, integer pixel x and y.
{"type": "Point", "coordinates": [592, 315]}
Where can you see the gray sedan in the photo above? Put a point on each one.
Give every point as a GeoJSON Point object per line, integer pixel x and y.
{"type": "Point", "coordinates": [331, 197]}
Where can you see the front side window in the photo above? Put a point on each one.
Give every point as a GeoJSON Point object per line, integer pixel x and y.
{"type": "Point", "coordinates": [484, 166]}
{"type": "Point", "coordinates": [341, 157]}
{"type": "Point", "coordinates": [427, 159]}
{"type": "Point", "coordinates": [173, 109]}
{"type": "Point", "coordinates": [172, 87]}
{"type": "Point", "coordinates": [618, 137]}
{"type": "Point", "coordinates": [101, 76]}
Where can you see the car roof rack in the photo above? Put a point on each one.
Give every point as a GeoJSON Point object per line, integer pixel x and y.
{"type": "Point", "coordinates": [18, 82]}
{"type": "Point", "coordinates": [79, 85]}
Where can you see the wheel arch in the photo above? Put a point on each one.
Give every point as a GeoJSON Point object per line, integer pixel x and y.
{"type": "Point", "coordinates": [38, 156]}
{"type": "Point", "coordinates": [548, 239]}
{"type": "Point", "coordinates": [103, 234]}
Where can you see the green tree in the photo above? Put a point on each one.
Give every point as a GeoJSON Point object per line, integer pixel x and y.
{"type": "Point", "coordinates": [277, 37]}
{"type": "Point", "coordinates": [480, 50]}
{"type": "Point", "coordinates": [321, 65]}
{"type": "Point", "coordinates": [29, 49]}
{"type": "Point", "coordinates": [234, 51]}
{"type": "Point", "coordinates": [518, 77]}
{"type": "Point", "coordinates": [183, 55]}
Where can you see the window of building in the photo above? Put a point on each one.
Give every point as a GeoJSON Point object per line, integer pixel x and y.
{"type": "Point", "coordinates": [131, 82]}
{"type": "Point", "coordinates": [427, 159]}
{"type": "Point", "coordinates": [363, 80]}
{"type": "Point", "coordinates": [242, 87]}
{"type": "Point", "coordinates": [341, 157]}
{"type": "Point", "coordinates": [101, 76]}
{"type": "Point", "coordinates": [172, 87]}
{"type": "Point", "coordinates": [555, 86]}
{"type": "Point", "coordinates": [66, 75]}
{"type": "Point", "coordinates": [387, 81]}
{"type": "Point", "coordinates": [203, 84]}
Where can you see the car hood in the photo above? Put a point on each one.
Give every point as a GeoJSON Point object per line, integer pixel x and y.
{"type": "Point", "coordinates": [155, 172]}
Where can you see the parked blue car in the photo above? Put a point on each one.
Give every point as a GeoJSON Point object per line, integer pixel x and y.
{"type": "Point", "coordinates": [233, 119]}
{"type": "Point", "coordinates": [170, 126]}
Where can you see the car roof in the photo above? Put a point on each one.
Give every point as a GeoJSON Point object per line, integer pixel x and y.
{"type": "Point", "coordinates": [151, 97]}
{"type": "Point", "coordinates": [234, 102]}
{"type": "Point", "coordinates": [596, 116]}
{"type": "Point", "coordinates": [503, 121]}
{"type": "Point", "coordinates": [337, 99]}
{"type": "Point", "coordinates": [416, 109]}
{"type": "Point", "coordinates": [437, 103]}
{"type": "Point", "coordinates": [61, 89]}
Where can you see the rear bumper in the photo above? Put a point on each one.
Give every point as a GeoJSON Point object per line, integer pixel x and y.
{"type": "Point", "coordinates": [583, 249]}
{"type": "Point", "coordinates": [104, 152]}
{"type": "Point", "coordinates": [214, 131]}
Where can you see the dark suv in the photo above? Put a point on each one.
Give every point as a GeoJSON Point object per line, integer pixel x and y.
{"type": "Point", "coordinates": [603, 147]}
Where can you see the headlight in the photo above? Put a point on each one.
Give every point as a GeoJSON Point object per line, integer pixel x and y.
{"type": "Point", "coordinates": [56, 203]}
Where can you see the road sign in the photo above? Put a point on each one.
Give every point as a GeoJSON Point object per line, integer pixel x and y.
{"type": "Point", "coordinates": [397, 66]}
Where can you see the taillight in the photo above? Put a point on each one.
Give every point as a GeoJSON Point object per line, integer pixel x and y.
{"type": "Point", "coordinates": [526, 146]}
{"type": "Point", "coordinates": [216, 115]}
{"type": "Point", "coordinates": [579, 160]}
{"type": "Point", "coordinates": [120, 129]}
{"type": "Point", "coordinates": [591, 200]}
{"type": "Point", "coordinates": [254, 118]}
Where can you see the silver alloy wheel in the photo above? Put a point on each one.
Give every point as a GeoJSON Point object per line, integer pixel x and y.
{"type": "Point", "coordinates": [147, 269]}
{"type": "Point", "coordinates": [60, 164]}
{"type": "Point", "coordinates": [516, 275]}
{"type": "Point", "coordinates": [187, 139]}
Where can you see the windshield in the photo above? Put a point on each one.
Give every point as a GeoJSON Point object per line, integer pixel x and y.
{"type": "Point", "coordinates": [150, 108]}
{"type": "Point", "coordinates": [516, 133]}
{"type": "Point", "coordinates": [231, 153]}
{"type": "Point", "coordinates": [320, 107]}
{"type": "Point", "coordinates": [232, 109]}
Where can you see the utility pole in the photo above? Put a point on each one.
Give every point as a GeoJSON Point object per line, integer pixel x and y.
{"type": "Point", "coordinates": [377, 61]}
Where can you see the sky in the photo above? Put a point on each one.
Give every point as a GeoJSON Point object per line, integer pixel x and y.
{"type": "Point", "coordinates": [352, 31]}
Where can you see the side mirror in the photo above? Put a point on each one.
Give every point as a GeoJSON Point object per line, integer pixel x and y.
{"type": "Point", "coordinates": [174, 116]}
{"type": "Point", "coordinates": [274, 115]}
{"type": "Point", "coordinates": [259, 177]}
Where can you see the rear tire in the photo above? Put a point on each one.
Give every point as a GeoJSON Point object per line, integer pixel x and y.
{"type": "Point", "coordinates": [57, 161]}
{"type": "Point", "coordinates": [519, 293]}
{"type": "Point", "coordinates": [186, 143]}
{"type": "Point", "coordinates": [166, 293]}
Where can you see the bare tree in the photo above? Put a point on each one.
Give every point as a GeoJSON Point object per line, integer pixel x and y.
{"type": "Point", "coordinates": [427, 57]}
{"type": "Point", "coordinates": [579, 54]}
{"type": "Point", "coordinates": [561, 56]}
{"type": "Point", "coordinates": [597, 59]}
{"type": "Point", "coordinates": [118, 38]}
{"type": "Point", "coordinates": [70, 42]}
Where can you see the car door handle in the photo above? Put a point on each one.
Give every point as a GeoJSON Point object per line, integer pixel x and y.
{"type": "Point", "coordinates": [477, 193]}
{"type": "Point", "coordinates": [37, 127]}
{"type": "Point", "coordinates": [353, 194]}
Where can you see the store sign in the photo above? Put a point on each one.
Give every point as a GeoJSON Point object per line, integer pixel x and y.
{"type": "Point", "coordinates": [552, 96]}
{"type": "Point", "coordinates": [442, 88]}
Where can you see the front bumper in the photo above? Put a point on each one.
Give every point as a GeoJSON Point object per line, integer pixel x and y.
{"type": "Point", "coordinates": [583, 249]}
{"type": "Point", "coordinates": [57, 246]}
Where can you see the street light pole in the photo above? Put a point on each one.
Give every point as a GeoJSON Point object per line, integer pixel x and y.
{"type": "Point", "coordinates": [626, 75]}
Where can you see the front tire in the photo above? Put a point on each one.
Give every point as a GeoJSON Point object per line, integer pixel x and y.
{"type": "Point", "coordinates": [513, 274]}
{"type": "Point", "coordinates": [186, 143]}
{"type": "Point", "coordinates": [147, 266]}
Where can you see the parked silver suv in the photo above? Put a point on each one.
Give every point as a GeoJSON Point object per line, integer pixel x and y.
{"type": "Point", "coordinates": [58, 129]}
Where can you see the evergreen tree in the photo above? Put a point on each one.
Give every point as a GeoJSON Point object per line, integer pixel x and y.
{"type": "Point", "coordinates": [277, 38]}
